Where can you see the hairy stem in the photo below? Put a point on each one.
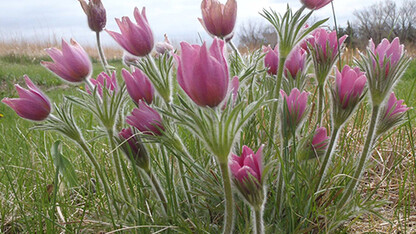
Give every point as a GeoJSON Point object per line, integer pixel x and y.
{"type": "Point", "coordinates": [236, 51]}
{"type": "Point", "coordinates": [229, 203]}
{"type": "Point", "coordinates": [101, 53]}
{"type": "Point", "coordinates": [327, 158]}
{"type": "Point", "coordinates": [158, 189]}
{"type": "Point", "coordinates": [280, 180]}
{"type": "Point", "coordinates": [257, 220]}
{"type": "Point", "coordinates": [363, 157]}
{"type": "Point", "coordinates": [321, 101]}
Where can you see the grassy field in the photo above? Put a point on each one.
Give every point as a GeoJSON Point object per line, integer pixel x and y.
{"type": "Point", "coordinates": [27, 172]}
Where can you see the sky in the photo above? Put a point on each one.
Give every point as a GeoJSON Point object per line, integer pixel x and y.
{"type": "Point", "coordinates": [48, 19]}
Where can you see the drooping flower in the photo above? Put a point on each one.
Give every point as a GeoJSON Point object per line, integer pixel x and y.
{"type": "Point", "coordinates": [315, 4]}
{"type": "Point", "coordinates": [293, 109]}
{"type": "Point", "coordinates": [247, 174]}
{"type": "Point", "coordinates": [295, 63]}
{"type": "Point", "coordinates": [71, 64]}
{"type": "Point", "coordinates": [96, 14]}
{"type": "Point", "coordinates": [164, 46]}
{"type": "Point", "coordinates": [203, 73]}
{"type": "Point", "coordinates": [392, 114]}
{"type": "Point", "coordinates": [219, 19]}
{"type": "Point", "coordinates": [146, 120]}
{"type": "Point", "coordinates": [104, 81]}
{"type": "Point", "coordinates": [138, 85]}
{"type": "Point", "coordinates": [271, 60]}
{"type": "Point", "coordinates": [32, 104]}
{"type": "Point", "coordinates": [137, 39]}
{"type": "Point", "coordinates": [134, 148]}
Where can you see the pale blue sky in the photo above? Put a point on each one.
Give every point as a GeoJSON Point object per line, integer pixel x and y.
{"type": "Point", "coordinates": [40, 19]}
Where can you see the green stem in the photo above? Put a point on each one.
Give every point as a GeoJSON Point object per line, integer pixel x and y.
{"type": "Point", "coordinates": [101, 176]}
{"type": "Point", "coordinates": [327, 158]}
{"type": "Point", "coordinates": [258, 220]}
{"type": "Point", "coordinates": [321, 101]}
{"type": "Point", "coordinates": [236, 51]}
{"type": "Point", "coordinates": [336, 29]}
{"type": "Point", "coordinates": [101, 53]}
{"type": "Point", "coordinates": [276, 96]}
{"type": "Point", "coordinates": [117, 165]}
{"type": "Point", "coordinates": [363, 157]}
{"type": "Point", "coordinates": [279, 189]}
{"type": "Point", "coordinates": [229, 203]}
{"type": "Point", "coordinates": [158, 189]}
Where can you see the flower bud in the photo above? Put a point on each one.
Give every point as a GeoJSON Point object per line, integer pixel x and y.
{"type": "Point", "coordinates": [146, 120]}
{"type": "Point", "coordinates": [134, 148]}
{"type": "Point", "coordinates": [164, 46]}
{"type": "Point", "coordinates": [138, 85]}
{"type": "Point", "coordinates": [219, 19]}
{"type": "Point", "coordinates": [96, 14]}
{"type": "Point", "coordinates": [271, 60]}
{"type": "Point", "coordinates": [32, 104]}
{"type": "Point", "coordinates": [392, 114]}
{"type": "Point", "coordinates": [71, 64]}
{"type": "Point", "coordinates": [247, 175]}
{"type": "Point", "coordinates": [203, 73]}
{"type": "Point", "coordinates": [104, 81]}
{"type": "Point", "coordinates": [137, 39]}
{"type": "Point", "coordinates": [293, 110]}
{"type": "Point", "coordinates": [295, 63]}
{"type": "Point", "coordinates": [315, 4]}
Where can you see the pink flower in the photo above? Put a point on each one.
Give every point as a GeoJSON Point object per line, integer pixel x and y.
{"type": "Point", "coordinates": [96, 14]}
{"type": "Point", "coordinates": [325, 44]}
{"type": "Point", "coordinates": [248, 163]}
{"type": "Point", "coordinates": [389, 53]}
{"type": "Point", "coordinates": [104, 81]}
{"type": "Point", "coordinates": [395, 108]}
{"type": "Point", "coordinates": [71, 64]}
{"type": "Point", "coordinates": [137, 39]}
{"type": "Point", "coordinates": [320, 139]}
{"type": "Point", "coordinates": [219, 19]}
{"type": "Point", "coordinates": [349, 86]}
{"type": "Point", "coordinates": [32, 104]}
{"type": "Point", "coordinates": [146, 120]}
{"type": "Point", "coordinates": [202, 73]}
{"type": "Point", "coordinates": [315, 4]}
{"type": "Point", "coordinates": [295, 63]}
{"type": "Point", "coordinates": [235, 84]}
{"type": "Point", "coordinates": [294, 106]}
{"type": "Point", "coordinates": [138, 85]}
{"type": "Point", "coordinates": [271, 60]}
{"type": "Point", "coordinates": [164, 46]}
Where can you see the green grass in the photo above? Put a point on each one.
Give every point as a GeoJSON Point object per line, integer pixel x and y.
{"type": "Point", "coordinates": [27, 171]}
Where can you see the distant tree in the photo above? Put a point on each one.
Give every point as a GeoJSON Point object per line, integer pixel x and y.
{"type": "Point", "coordinates": [252, 35]}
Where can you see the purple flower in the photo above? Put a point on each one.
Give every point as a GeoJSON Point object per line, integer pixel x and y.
{"type": "Point", "coordinates": [164, 46]}
{"type": "Point", "coordinates": [315, 4]}
{"type": "Point", "coordinates": [138, 85]}
{"type": "Point", "coordinates": [134, 149]}
{"type": "Point", "coordinates": [137, 39]}
{"type": "Point", "coordinates": [32, 104]}
{"type": "Point", "coordinates": [219, 19]}
{"type": "Point", "coordinates": [146, 120]}
{"type": "Point", "coordinates": [294, 107]}
{"type": "Point", "coordinates": [202, 73]}
{"type": "Point", "coordinates": [96, 15]}
{"type": "Point", "coordinates": [71, 64]}
{"type": "Point", "coordinates": [349, 86]}
{"type": "Point", "coordinates": [325, 44]}
{"type": "Point", "coordinates": [249, 163]}
{"type": "Point", "coordinates": [295, 63]}
{"type": "Point", "coordinates": [104, 81]}
{"type": "Point", "coordinates": [388, 54]}
{"type": "Point", "coordinates": [271, 60]}
{"type": "Point", "coordinates": [320, 139]}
